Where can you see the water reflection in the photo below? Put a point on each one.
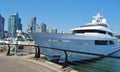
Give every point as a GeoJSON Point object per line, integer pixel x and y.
{"type": "Point", "coordinates": [104, 64]}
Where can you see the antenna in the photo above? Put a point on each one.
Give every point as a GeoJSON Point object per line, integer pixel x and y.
{"type": "Point", "coordinates": [0, 13]}
{"type": "Point", "coordinates": [101, 12]}
{"type": "Point", "coordinates": [98, 10]}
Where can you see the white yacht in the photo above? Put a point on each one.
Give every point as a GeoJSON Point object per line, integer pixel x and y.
{"type": "Point", "coordinates": [95, 37]}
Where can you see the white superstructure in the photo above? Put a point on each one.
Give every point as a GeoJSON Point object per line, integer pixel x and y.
{"type": "Point", "coordinates": [98, 26]}
{"type": "Point", "coordinates": [94, 37]}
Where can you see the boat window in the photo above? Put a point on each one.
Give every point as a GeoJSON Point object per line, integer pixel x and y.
{"type": "Point", "coordinates": [110, 34]}
{"type": "Point", "coordinates": [95, 25]}
{"type": "Point", "coordinates": [90, 31]}
{"type": "Point", "coordinates": [111, 42]}
{"type": "Point", "coordinates": [100, 42]}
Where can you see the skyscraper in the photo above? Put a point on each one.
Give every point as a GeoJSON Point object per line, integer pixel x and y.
{"type": "Point", "coordinates": [2, 21]}
{"type": "Point", "coordinates": [41, 27]}
{"type": "Point", "coordinates": [51, 30]}
{"type": "Point", "coordinates": [14, 24]}
{"type": "Point", "coordinates": [32, 25]}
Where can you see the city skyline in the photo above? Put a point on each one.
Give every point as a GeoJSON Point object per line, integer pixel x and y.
{"type": "Point", "coordinates": [62, 14]}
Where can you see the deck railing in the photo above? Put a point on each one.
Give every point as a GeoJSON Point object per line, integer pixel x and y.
{"type": "Point", "coordinates": [38, 48]}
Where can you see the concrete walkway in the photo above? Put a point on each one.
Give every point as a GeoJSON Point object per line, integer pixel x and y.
{"type": "Point", "coordinates": [17, 64]}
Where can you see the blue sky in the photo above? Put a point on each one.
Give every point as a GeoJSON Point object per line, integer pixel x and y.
{"type": "Point", "coordinates": [62, 14]}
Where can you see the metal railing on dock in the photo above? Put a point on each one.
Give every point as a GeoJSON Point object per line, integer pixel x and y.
{"type": "Point", "coordinates": [66, 56]}
{"type": "Point", "coordinates": [105, 63]}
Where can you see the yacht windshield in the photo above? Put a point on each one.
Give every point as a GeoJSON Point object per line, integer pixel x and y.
{"type": "Point", "coordinates": [110, 34]}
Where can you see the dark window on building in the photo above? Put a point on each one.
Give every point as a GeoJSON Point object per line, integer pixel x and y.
{"type": "Point", "coordinates": [100, 42]}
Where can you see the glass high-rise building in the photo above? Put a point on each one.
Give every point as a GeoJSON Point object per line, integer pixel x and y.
{"type": "Point", "coordinates": [14, 24]}
{"type": "Point", "coordinates": [2, 21]}
{"type": "Point", "coordinates": [32, 25]}
{"type": "Point", "coordinates": [41, 27]}
{"type": "Point", "coordinates": [51, 30]}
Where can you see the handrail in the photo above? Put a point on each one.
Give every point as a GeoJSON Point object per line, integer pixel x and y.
{"type": "Point", "coordinates": [102, 55]}
{"type": "Point", "coordinates": [37, 52]}
{"type": "Point", "coordinates": [66, 56]}
{"type": "Point", "coordinates": [72, 51]}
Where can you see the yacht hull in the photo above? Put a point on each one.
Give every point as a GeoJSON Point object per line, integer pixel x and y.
{"type": "Point", "coordinates": [72, 42]}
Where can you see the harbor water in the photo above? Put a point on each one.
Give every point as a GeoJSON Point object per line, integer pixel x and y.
{"type": "Point", "coordinates": [103, 64]}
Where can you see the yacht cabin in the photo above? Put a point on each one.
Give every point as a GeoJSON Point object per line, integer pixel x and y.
{"type": "Point", "coordinates": [98, 26]}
